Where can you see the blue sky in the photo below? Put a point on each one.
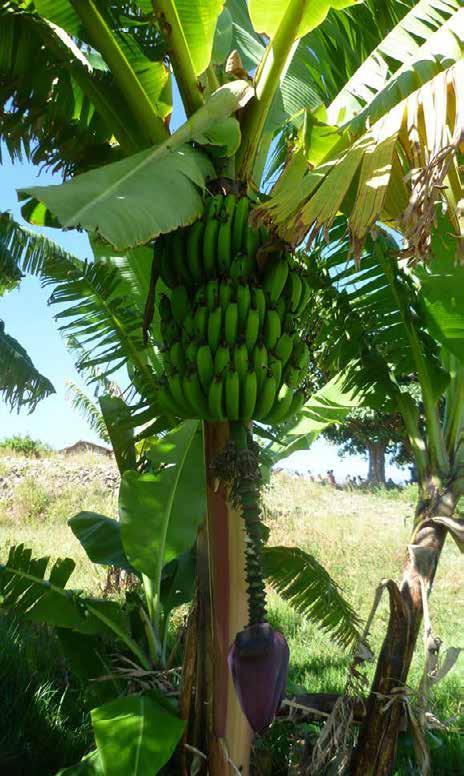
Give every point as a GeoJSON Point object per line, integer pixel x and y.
{"type": "Point", "coordinates": [28, 318]}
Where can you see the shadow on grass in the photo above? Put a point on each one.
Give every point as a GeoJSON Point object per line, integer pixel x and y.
{"type": "Point", "coordinates": [43, 722]}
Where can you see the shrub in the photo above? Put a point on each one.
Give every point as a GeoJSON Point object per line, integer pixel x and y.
{"type": "Point", "coordinates": [24, 445]}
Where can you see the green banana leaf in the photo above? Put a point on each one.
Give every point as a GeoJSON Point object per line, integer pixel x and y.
{"type": "Point", "coordinates": [135, 735]}
{"type": "Point", "coordinates": [155, 191]}
{"type": "Point", "coordinates": [160, 512]}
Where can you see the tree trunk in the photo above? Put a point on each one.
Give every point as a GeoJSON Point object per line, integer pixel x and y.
{"type": "Point", "coordinates": [217, 726]}
{"type": "Point", "coordinates": [376, 452]}
{"type": "Point", "coordinates": [375, 752]}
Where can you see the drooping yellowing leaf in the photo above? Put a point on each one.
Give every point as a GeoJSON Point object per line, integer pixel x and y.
{"type": "Point", "coordinates": [409, 156]}
{"type": "Point", "coordinates": [266, 15]}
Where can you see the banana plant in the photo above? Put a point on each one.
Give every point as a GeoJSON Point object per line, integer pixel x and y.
{"type": "Point", "coordinates": [294, 574]}
{"type": "Point", "coordinates": [266, 103]}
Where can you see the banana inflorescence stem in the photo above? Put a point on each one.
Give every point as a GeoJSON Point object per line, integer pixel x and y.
{"type": "Point", "coordinates": [245, 493]}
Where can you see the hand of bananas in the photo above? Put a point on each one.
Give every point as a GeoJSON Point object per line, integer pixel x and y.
{"type": "Point", "coordinates": [231, 349]}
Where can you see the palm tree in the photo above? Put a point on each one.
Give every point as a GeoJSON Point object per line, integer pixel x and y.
{"type": "Point", "coordinates": [21, 384]}
{"type": "Point", "coordinates": [329, 104]}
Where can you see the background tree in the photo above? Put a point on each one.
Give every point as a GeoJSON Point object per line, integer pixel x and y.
{"type": "Point", "coordinates": [372, 433]}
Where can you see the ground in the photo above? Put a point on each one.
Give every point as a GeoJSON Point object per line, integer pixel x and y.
{"type": "Point", "coordinates": [359, 537]}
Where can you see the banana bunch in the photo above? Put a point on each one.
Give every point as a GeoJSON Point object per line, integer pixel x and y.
{"type": "Point", "coordinates": [232, 350]}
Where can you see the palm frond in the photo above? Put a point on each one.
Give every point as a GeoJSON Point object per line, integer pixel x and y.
{"type": "Point", "coordinates": [368, 314]}
{"type": "Point", "coordinates": [21, 384]}
{"type": "Point", "coordinates": [10, 274]}
{"type": "Point", "coordinates": [104, 304]}
{"type": "Point", "coordinates": [87, 409]}
{"type": "Point", "coordinates": [28, 250]}
{"type": "Point", "coordinates": [391, 57]}
{"type": "Point", "coordinates": [27, 589]}
{"type": "Point", "coordinates": [308, 587]}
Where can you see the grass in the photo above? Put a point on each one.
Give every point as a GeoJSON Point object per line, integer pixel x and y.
{"type": "Point", "coordinates": [360, 537]}
{"type": "Point", "coordinates": [45, 724]}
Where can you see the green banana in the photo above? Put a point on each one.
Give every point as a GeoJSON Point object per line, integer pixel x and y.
{"type": "Point", "coordinates": [177, 357]}
{"type": "Point", "coordinates": [281, 308]}
{"type": "Point", "coordinates": [191, 352]}
{"type": "Point", "coordinates": [205, 367]}
{"type": "Point", "coordinates": [225, 293]}
{"type": "Point", "coordinates": [200, 320]}
{"type": "Point", "coordinates": [239, 269]}
{"type": "Point", "coordinates": [232, 394]}
{"type": "Point", "coordinates": [305, 297]}
{"type": "Point", "coordinates": [188, 325]}
{"type": "Point", "coordinates": [243, 303]}
{"type": "Point", "coordinates": [293, 376]}
{"type": "Point", "coordinates": [231, 324]}
{"type": "Point", "coordinates": [293, 289]}
{"type": "Point", "coordinates": [281, 406]}
{"type": "Point", "coordinates": [296, 405]}
{"type": "Point", "coordinates": [240, 358]}
{"type": "Point", "coordinates": [252, 243]}
{"type": "Point", "coordinates": [178, 251]}
{"type": "Point", "coordinates": [272, 329]}
{"type": "Point", "coordinates": [252, 329]}
{"type": "Point", "coordinates": [185, 337]}
{"type": "Point", "coordinates": [259, 301]}
{"type": "Point", "coordinates": [195, 395]}
{"type": "Point", "coordinates": [212, 294]}
{"type": "Point", "coordinates": [248, 395]}
{"type": "Point", "coordinates": [164, 307]}
{"type": "Point", "coordinates": [275, 278]}
{"type": "Point", "coordinates": [168, 403]}
{"type": "Point", "coordinates": [275, 367]}
{"type": "Point", "coordinates": [301, 355]}
{"type": "Point", "coordinates": [177, 392]}
{"type": "Point", "coordinates": [239, 225]}
{"type": "Point", "coordinates": [266, 398]}
{"type": "Point", "coordinates": [250, 266]}
{"type": "Point", "coordinates": [221, 359]}
{"type": "Point", "coordinates": [284, 347]}
{"type": "Point", "coordinates": [195, 250]}
{"type": "Point", "coordinates": [210, 236]}
{"type": "Point", "coordinates": [169, 332]}
{"type": "Point", "coordinates": [215, 395]}
{"type": "Point", "coordinates": [180, 304]}
{"type": "Point", "coordinates": [214, 328]}
{"type": "Point", "coordinates": [199, 297]}
{"type": "Point", "coordinates": [224, 241]}
{"type": "Point", "coordinates": [260, 364]}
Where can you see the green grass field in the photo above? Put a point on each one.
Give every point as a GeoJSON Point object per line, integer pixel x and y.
{"type": "Point", "coordinates": [360, 537]}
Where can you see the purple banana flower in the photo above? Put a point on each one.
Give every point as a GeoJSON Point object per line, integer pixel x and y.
{"type": "Point", "coordinates": [258, 661]}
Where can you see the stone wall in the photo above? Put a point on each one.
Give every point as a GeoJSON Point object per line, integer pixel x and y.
{"type": "Point", "coordinates": [57, 472]}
